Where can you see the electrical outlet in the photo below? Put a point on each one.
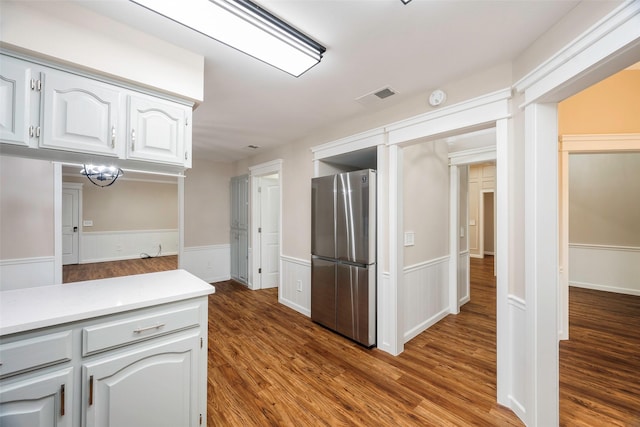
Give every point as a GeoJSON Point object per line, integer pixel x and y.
{"type": "Point", "coordinates": [299, 285]}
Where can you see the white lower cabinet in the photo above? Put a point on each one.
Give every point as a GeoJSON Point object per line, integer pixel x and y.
{"type": "Point", "coordinates": [42, 400]}
{"type": "Point", "coordinates": [144, 367]}
{"type": "Point", "coordinates": [152, 386]}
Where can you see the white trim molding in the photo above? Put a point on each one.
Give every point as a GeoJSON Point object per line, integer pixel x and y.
{"type": "Point", "coordinates": [477, 112]}
{"type": "Point", "coordinates": [349, 144]}
{"type": "Point", "coordinates": [257, 171]}
{"type": "Point", "coordinates": [618, 32]}
{"type": "Point", "coordinates": [589, 143]}
{"type": "Point", "coordinates": [474, 155]}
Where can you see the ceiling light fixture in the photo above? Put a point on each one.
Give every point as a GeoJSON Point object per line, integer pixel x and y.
{"type": "Point", "coordinates": [247, 27]}
{"type": "Point", "coordinates": [101, 175]}
{"type": "Point", "coordinates": [405, 1]}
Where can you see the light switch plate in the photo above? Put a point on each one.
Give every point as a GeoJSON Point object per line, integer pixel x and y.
{"type": "Point", "coordinates": [87, 223]}
{"type": "Point", "coordinates": [409, 238]}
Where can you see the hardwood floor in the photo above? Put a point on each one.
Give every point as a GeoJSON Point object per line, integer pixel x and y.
{"type": "Point", "coordinates": [600, 363]}
{"type": "Point", "coordinates": [269, 365]}
{"type": "Point", "coordinates": [102, 270]}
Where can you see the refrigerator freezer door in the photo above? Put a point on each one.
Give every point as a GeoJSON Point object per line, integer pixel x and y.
{"type": "Point", "coordinates": [355, 217]}
{"type": "Point", "coordinates": [323, 292]}
{"type": "Point", "coordinates": [356, 303]}
{"type": "Point", "coordinates": [323, 230]}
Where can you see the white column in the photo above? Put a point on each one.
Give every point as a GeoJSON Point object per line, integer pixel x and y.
{"type": "Point", "coordinates": [393, 295]}
{"type": "Point", "coordinates": [57, 223]}
{"type": "Point", "coordinates": [454, 240]}
{"type": "Point", "coordinates": [541, 262]}
{"type": "Point", "coordinates": [502, 260]}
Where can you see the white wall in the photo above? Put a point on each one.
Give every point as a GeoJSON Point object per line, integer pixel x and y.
{"type": "Point", "coordinates": [426, 215]}
{"type": "Point", "coordinates": [103, 46]}
{"type": "Point", "coordinates": [26, 223]}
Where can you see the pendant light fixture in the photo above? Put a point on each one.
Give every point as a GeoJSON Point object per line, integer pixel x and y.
{"type": "Point", "coordinates": [247, 27]}
{"type": "Point", "coordinates": [101, 175]}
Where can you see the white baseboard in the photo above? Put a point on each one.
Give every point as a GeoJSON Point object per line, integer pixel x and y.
{"type": "Point", "coordinates": [605, 288]}
{"type": "Point", "coordinates": [27, 272]}
{"type": "Point", "coordinates": [209, 263]}
{"type": "Point", "coordinates": [423, 326]}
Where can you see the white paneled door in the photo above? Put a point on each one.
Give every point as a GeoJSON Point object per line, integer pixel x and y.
{"type": "Point", "coordinates": [270, 231]}
{"type": "Point", "coordinates": [70, 225]}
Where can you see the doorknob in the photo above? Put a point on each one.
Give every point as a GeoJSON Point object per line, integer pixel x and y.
{"type": "Point", "coordinates": [75, 229]}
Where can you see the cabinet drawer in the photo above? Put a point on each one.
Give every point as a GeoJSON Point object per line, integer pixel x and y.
{"type": "Point", "coordinates": [130, 330]}
{"type": "Point", "coordinates": [37, 352]}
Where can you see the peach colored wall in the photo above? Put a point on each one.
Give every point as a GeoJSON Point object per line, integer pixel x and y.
{"type": "Point", "coordinates": [610, 106]}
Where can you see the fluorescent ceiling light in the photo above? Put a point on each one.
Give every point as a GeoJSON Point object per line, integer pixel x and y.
{"type": "Point", "coordinates": [247, 27]}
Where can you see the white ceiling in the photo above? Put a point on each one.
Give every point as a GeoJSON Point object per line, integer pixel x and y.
{"type": "Point", "coordinates": [370, 44]}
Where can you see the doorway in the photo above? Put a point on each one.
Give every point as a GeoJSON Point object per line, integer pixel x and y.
{"type": "Point", "coordinates": [266, 225]}
{"type": "Point", "coordinates": [269, 230]}
{"type": "Point", "coordinates": [71, 214]}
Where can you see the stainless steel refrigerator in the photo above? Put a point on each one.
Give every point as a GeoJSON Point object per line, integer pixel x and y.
{"type": "Point", "coordinates": [343, 249]}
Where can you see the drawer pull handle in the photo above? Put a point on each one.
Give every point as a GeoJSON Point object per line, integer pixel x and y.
{"type": "Point", "coordinates": [91, 390]}
{"type": "Point", "coordinates": [148, 328]}
{"type": "Point", "coordinates": [62, 400]}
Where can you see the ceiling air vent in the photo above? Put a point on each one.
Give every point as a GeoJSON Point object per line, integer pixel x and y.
{"type": "Point", "coordinates": [384, 93]}
{"type": "Point", "coordinates": [376, 97]}
{"type": "Point", "coordinates": [253, 147]}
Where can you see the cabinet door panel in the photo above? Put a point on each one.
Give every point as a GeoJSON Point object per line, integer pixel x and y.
{"type": "Point", "coordinates": [153, 386]}
{"type": "Point", "coordinates": [80, 115]}
{"type": "Point", "coordinates": [38, 401]}
{"type": "Point", "coordinates": [14, 101]}
{"type": "Point", "coordinates": [157, 130]}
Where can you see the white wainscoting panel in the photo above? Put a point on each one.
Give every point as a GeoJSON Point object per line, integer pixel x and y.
{"type": "Point", "coordinates": [100, 246]}
{"type": "Point", "coordinates": [605, 268]}
{"type": "Point", "coordinates": [426, 295]}
{"type": "Point", "coordinates": [26, 273]}
{"type": "Point", "coordinates": [517, 329]}
{"type": "Point", "coordinates": [296, 274]}
{"type": "Point", "coordinates": [464, 271]}
{"type": "Point", "coordinates": [210, 263]}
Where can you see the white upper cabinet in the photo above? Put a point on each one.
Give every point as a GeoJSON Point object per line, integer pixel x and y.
{"type": "Point", "coordinates": [156, 130]}
{"type": "Point", "coordinates": [15, 94]}
{"type": "Point", "coordinates": [62, 111]}
{"type": "Point", "coordinates": [80, 115]}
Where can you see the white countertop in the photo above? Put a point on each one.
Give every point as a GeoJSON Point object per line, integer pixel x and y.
{"type": "Point", "coordinates": [23, 310]}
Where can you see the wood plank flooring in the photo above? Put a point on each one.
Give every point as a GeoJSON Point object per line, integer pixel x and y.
{"type": "Point", "coordinates": [269, 365]}
{"type": "Point", "coordinates": [600, 363]}
{"type": "Point", "coordinates": [103, 270]}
